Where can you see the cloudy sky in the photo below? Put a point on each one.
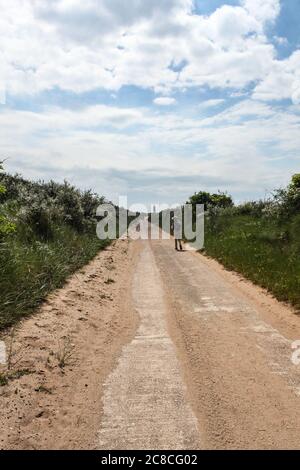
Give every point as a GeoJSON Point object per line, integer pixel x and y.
{"type": "Point", "coordinates": [152, 98]}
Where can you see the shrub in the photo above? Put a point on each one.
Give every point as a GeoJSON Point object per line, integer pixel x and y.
{"type": "Point", "coordinates": [37, 219]}
{"type": "Point", "coordinates": [254, 208]}
{"type": "Point", "coordinates": [6, 226]}
{"type": "Point", "coordinates": [44, 204]}
{"type": "Point", "coordinates": [55, 234]}
{"type": "Point", "coordinates": [68, 200]}
{"type": "Point", "coordinates": [211, 200]}
{"type": "Point", "coordinates": [288, 199]}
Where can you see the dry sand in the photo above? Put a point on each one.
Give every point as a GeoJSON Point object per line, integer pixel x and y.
{"type": "Point", "coordinates": [175, 353]}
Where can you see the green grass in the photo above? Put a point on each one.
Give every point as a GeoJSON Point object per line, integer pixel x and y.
{"type": "Point", "coordinates": [264, 251]}
{"type": "Point", "coordinates": [47, 232]}
{"type": "Point", "coordinates": [29, 270]}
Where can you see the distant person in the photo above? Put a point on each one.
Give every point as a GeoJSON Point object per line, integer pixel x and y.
{"type": "Point", "coordinates": [177, 230]}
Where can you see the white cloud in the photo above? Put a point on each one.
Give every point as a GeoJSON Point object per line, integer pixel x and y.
{"type": "Point", "coordinates": [211, 103]}
{"type": "Point", "coordinates": [281, 40]}
{"type": "Point", "coordinates": [164, 101]}
{"type": "Point", "coordinates": [296, 92]}
{"type": "Point", "coordinates": [160, 45]}
{"type": "Point", "coordinates": [233, 150]}
{"type": "Point", "coordinates": [79, 46]}
{"type": "Point", "coordinates": [86, 21]}
{"type": "Point", "coordinates": [263, 10]}
{"type": "Point", "coordinates": [282, 81]}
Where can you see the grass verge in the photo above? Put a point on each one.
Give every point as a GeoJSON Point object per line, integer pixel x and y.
{"type": "Point", "coordinates": [29, 271]}
{"type": "Point", "coordinates": [263, 250]}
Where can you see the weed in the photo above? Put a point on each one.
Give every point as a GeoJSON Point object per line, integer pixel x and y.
{"type": "Point", "coordinates": [110, 267]}
{"type": "Point", "coordinates": [259, 248]}
{"type": "Point", "coordinates": [6, 376]}
{"type": "Point", "coordinates": [3, 379]}
{"type": "Point", "coordinates": [65, 352]}
{"type": "Point", "coordinates": [17, 374]}
{"type": "Point", "coordinates": [43, 389]}
{"type": "Point", "coordinates": [52, 235]}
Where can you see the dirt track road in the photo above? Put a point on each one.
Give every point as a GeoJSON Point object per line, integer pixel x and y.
{"type": "Point", "coordinates": [217, 376]}
{"type": "Point", "coordinates": [177, 354]}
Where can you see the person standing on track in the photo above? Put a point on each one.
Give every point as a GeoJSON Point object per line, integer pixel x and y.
{"type": "Point", "coordinates": [177, 231]}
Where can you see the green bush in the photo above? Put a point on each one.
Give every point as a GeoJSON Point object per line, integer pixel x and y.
{"type": "Point", "coordinates": [261, 240]}
{"type": "Point", "coordinates": [220, 199]}
{"type": "Point", "coordinates": [6, 226]}
{"type": "Point", "coordinates": [37, 221]}
{"type": "Point", "coordinates": [41, 204]}
{"type": "Point", "coordinates": [288, 200]}
{"type": "Point", "coordinates": [29, 271]}
{"type": "Point", "coordinates": [47, 231]}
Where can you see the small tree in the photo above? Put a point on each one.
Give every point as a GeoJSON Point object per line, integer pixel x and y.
{"type": "Point", "coordinates": [288, 199]}
{"type": "Point", "coordinates": [211, 200]}
{"type": "Point", "coordinates": [201, 197]}
{"type": "Point", "coordinates": [2, 188]}
{"type": "Point", "coordinates": [6, 226]}
{"type": "Point", "coordinates": [295, 183]}
{"type": "Point", "coordinates": [221, 200]}
{"type": "Point", "coordinates": [293, 194]}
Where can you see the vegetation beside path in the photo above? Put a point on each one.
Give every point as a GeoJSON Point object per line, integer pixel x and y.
{"type": "Point", "coordinates": [47, 231]}
{"type": "Point", "coordinates": [259, 239]}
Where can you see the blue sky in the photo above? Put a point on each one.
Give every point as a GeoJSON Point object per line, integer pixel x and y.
{"type": "Point", "coordinates": [156, 100]}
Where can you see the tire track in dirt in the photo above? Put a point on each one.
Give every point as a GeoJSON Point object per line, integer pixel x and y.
{"type": "Point", "coordinates": [145, 402]}
{"type": "Point", "coordinates": [170, 352]}
{"type": "Point", "coordinates": [242, 384]}
{"type": "Point", "coordinates": [60, 408]}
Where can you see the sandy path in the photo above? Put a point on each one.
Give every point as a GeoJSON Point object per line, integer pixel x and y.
{"type": "Point", "coordinates": [169, 350]}
{"type": "Point", "coordinates": [235, 352]}
{"type": "Point", "coordinates": [60, 408]}
{"type": "Point", "coordinates": [145, 404]}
